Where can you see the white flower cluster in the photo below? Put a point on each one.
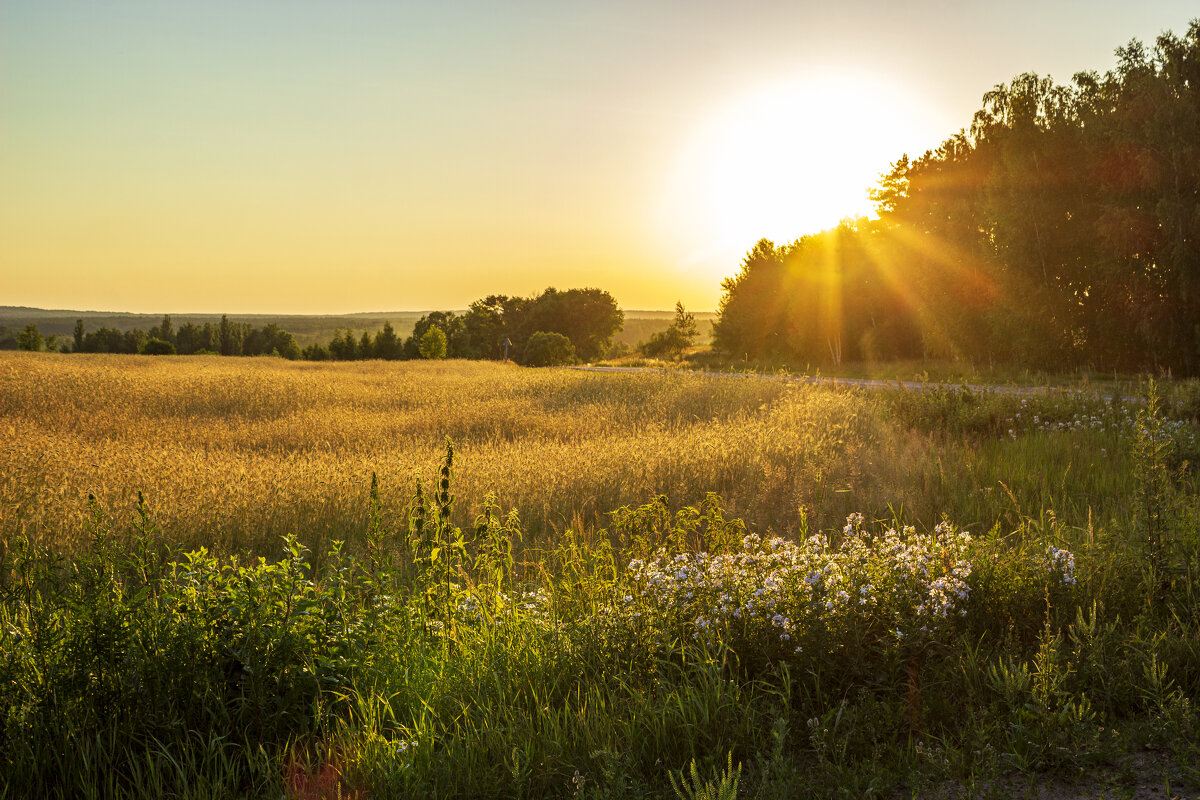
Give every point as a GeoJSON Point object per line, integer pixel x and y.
{"type": "Point", "coordinates": [901, 582]}
{"type": "Point", "coordinates": [530, 603]}
{"type": "Point", "coordinates": [927, 575]}
{"type": "Point", "coordinates": [1060, 562]}
{"type": "Point", "coordinates": [765, 583]}
{"type": "Point", "coordinates": [1094, 414]}
{"type": "Point", "coordinates": [524, 604]}
{"type": "Point", "coordinates": [469, 608]}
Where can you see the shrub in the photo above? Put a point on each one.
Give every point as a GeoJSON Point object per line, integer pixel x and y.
{"type": "Point", "coordinates": [158, 347]}
{"type": "Point", "coordinates": [548, 350]}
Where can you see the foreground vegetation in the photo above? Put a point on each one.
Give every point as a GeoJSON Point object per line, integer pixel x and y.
{"type": "Point", "coordinates": [1014, 605]}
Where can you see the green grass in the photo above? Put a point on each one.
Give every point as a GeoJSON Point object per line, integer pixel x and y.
{"type": "Point", "coordinates": [703, 357]}
{"type": "Point", "coordinates": [453, 649]}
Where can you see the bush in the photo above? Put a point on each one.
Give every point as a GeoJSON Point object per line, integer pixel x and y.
{"type": "Point", "coordinates": [548, 350]}
{"type": "Point", "coordinates": [158, 347]}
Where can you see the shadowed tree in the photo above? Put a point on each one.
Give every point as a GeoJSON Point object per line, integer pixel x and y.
{"type": "Point", "coordinates": [387, 345]}
{"type": "Point", "coordinates": [30, 338]}
{"type": "Point", "coordinates": [588, 317]}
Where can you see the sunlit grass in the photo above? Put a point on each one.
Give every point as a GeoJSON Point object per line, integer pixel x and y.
{"type": "Point", "coordinates": [608, 654]}
{"type": "Point", "coordinates": [230, 449]}
{"type": "Point", "coordinates": [234, 453]}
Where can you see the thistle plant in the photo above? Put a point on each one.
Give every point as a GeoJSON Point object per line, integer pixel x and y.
{"type": "Point", "coordinates": [439, 549]}
{"type": "Point", "coordinates": [381, 563]}
{"type": "Point", "coordinates": [494, 540]}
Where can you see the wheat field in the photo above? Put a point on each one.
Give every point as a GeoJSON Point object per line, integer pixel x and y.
{"type": "Point", "coordinates": [234, 453]}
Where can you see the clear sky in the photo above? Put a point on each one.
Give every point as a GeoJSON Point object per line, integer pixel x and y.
{"type": "Point", "coordinates": [341, 156]}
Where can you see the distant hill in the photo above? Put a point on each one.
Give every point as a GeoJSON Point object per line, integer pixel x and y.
{"type": "Point", "coordinates": [307, 328]}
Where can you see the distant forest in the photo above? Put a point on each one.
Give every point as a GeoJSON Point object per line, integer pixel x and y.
{"type": "Point", "coordinates": [1061, 231]}
{"type": "Point", "coordinates": [583, 320]}
{"type": "Point", "coordinates": [554, 327]}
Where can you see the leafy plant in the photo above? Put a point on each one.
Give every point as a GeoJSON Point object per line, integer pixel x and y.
{"type": "Point", "coordinates": [722, 786]}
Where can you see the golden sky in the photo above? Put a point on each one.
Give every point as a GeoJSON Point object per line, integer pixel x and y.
{"type": "Point", "coordinates": [332, 157]}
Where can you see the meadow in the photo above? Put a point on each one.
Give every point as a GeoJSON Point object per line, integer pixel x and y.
{"type": "Point", "coordinates": [220, 578]}
{"type": "Point", "coordinates": [234, 454]}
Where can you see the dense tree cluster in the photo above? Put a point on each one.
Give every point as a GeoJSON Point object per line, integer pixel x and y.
{"type": "Point", "coordinates": [228, 338]}
{"type": "Point", "coordinates": [580, 322]}
{"type": "Point", "coordinates": [1061, 230]}
{"type": "Point", "coordinates": [586, 319]}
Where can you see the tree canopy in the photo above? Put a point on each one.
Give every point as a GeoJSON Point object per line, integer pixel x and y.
{"type": "Point", "coordinates": [1061, 230]}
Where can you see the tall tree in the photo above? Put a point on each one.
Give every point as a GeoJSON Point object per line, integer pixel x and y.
{"type": "Point", "coordinates": [30, 338]}
{"type": "Point", "coordinates": [588, 317]}
{"type": "Point", "coordinates": [387, 345]}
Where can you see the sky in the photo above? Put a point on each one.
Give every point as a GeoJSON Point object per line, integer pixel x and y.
{"type": "Point", "coordinates": [343, 156]}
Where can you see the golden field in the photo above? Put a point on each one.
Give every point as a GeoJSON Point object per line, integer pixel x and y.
{"type": "Point", "coordinates": [234, 453]}
{"type": "Point", "coordinates": [229, 451]}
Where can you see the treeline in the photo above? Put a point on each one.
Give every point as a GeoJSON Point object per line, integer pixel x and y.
{"type": "Point", "coordinates": [227, 338]}
{"type": "Point", "coordinates": [1062, 230]}
{"type": "Point", "coordinates": [555, 327]}
{"type": "Point", "coordinates": [552, 328]}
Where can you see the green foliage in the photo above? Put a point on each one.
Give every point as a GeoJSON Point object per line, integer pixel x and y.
{"type": "Point", "coordinates": [586, 317]}
{"type": "Point", "coordinates": [30, 339]}
{"type": "Point", "coordinates": [1052, 723]}
{"type": "Point", "coordinates": [692, 787]}
{"type": "Point", "coordinates": [548, 349]}
{"type": "Point", "coordinates": [157, 347]}
{"type": "Point", "coordinates": [675, 340]}
{"type": "Point", "coordinates": [491, 320]}
{"type": "Point", "coordinates": [315, 352]}
{"type": "Point", "coordinates": [231, 336]}
{"type": "Point", "coordinates": [387, 345]}
{"type": "Point", "coordinates": [284, 344]}
{"type": "Point", "coordinates": [818, 300]}
{"type": "Point", "coordinates": [1152, 451]}
{"type": "Point", "coordinates": [227, 338]}
{"type": "Point", "coordinates": [124, 651]}
{"type": "Point", "coordinates": [426, 659]}
{"type": "Point", "coordinates": [343, 347]}
{"type": "Point", "coordinates": [433, 343]}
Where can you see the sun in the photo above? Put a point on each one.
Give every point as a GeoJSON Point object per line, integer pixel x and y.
{"type": "Point", "coordinates": [790, 158]}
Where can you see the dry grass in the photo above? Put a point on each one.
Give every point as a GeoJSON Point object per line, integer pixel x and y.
{"type": "Point", "coordinates": [233, 453]}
